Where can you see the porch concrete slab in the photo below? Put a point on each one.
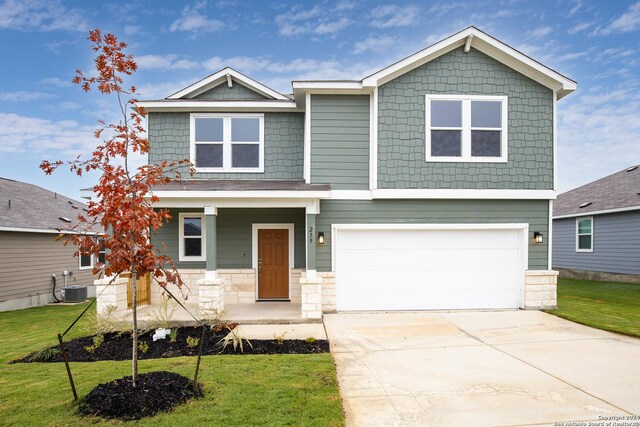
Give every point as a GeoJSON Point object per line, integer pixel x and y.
{"type": "Point", "coordinates": [517, 326]}
{"type": "Point", "coordinates": [298, 331]}
{"type": "Point", "coordinates": [418, 379]}
{"type": "Point", "coordinates": [392, 330]}
{"type": "Point", "coordinates": [269, 312]}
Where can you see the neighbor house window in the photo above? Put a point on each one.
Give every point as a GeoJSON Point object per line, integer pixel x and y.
{"type": "Point", "coordinates": [102, 253]}
{"type": "Point", "coordinates": [85, 262]}
{"type": "Point", "coordinates": [227, 142]}
{"type": "Point", "coordinates": [584, 234]}
{"type": "Point", "coordinates": [191, 245]}
{"type": "Point", "coordinates": [466, 128]}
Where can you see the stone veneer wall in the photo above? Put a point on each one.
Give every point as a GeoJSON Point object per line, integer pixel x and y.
{"type": "Point", "coordinates": [328, 292]}
{"type": "Point", "coordinates": [540, 292]}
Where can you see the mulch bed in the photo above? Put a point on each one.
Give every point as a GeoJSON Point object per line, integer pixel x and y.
{"type": "Point", "coordinates": [118, 346]}
{"type": "Point", "coordinates": [155, 392]}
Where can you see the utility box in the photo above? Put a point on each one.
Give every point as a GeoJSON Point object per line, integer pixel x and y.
{"type": "Point", "coordinates": [74, 293]}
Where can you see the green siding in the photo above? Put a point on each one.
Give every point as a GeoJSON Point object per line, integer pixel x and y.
{"type": "Point", "coordinates": [340, 141]}
{"type": "Point", "coordinates": [223, 91]}
{"type": "Point", "coordinates": [535, 213]}
{"type": "Point", "coordinates": [401, 126]}
{"type": "Point", "coordinates": [283, 151]}
{"type": "Point", "coordinates": [233, 227]}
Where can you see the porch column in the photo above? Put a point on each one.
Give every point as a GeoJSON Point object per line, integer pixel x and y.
{"type": "Point", "coordinates": [310, 282]}
{"type": "Point", "coordinates": [211, 288]}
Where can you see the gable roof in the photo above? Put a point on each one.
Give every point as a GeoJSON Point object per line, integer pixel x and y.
{"type": "Point", "coordinates": [226, 76]}
{"type": "Point", "coordinates": [613, 193]}
{"type": "Point", "coordinates": [470, 37]}
{"type": "Point", "coordinates": [27, 207]}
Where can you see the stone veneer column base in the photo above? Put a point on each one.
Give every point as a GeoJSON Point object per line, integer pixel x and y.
{"type": "Point", "coordinates": [111, 293]}
{"type": "Point", "coordinates": [211, 297]}
{"type": "Point", "coordinates": [311, 296]}
{"type": "Point", "coordinates": [540, 290]}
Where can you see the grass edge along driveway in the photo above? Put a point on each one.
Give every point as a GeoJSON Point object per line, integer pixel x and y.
{"type": "Point", "coordinates": [294, 390]}
{"type": "Point", "coordinates": [611, 306]}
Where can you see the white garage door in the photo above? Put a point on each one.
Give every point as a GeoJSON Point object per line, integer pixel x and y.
{"type": "Point", "coordinates": [427, 268]}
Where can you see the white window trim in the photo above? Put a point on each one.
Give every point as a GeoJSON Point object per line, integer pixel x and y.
{"type": "Point", "coordinates": [181, 256]}
{"type": "Point", "coordinates": [466, 128]}
{"type": "Point", "coordinates": [226, 142]}
{"type": "Point", "coordinates": [80, 267]}
{"type": "Point", "coordinates": [582, 218]}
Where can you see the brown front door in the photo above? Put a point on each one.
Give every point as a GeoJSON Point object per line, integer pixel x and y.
{"type": "Point", "coordinates": [273, 264]}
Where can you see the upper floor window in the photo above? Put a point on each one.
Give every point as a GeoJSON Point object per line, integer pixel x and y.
{"type": "Point", "coordinates": [466, 128]}
{"type": "Point", "coordinates": [584, 234]}
{"type": "Point", "coordinates": [227, 142]}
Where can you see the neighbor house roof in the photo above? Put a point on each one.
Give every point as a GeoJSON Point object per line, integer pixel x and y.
{"type": "Point", "coordinates": [613, 193]}
{"type": "Point", "coordinates": [27, 207]}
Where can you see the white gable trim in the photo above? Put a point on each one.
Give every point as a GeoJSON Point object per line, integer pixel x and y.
{"type": "Point", "coordinates": [600, 212]}
{"type": "Point", "coordinates": [223, 76]}
{"type": "Point", "coordinates": [486, 44]}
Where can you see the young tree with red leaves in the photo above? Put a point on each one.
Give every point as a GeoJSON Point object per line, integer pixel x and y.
{"type": "Point", "coordinates": [123, 207]}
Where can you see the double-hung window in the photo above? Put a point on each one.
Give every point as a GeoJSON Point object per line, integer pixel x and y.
{"type": "Point", "coordinates": [227, 142]}
{"type": "Point", "coordinates": [584, 234]}
{"type": "Point", "coordinates": [85, 262]}
{"type": "Point", "coordinates": [466, 128]}
{"type": "Point", "coordinates": [192, 237]}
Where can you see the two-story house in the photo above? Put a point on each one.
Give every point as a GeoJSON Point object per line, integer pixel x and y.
{"type": "Point", "coordinates": [426, 185]}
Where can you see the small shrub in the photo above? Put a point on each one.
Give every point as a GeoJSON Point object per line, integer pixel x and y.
{"type": "Point", "coordinates": [163, 315]}
{"type": "Point", "coordinates": [279, 339]}
{"type": "Point", "coordinates": [211, 316]}
{"type": "Point", "coordinates": [222, 326]}
{"type": "Point", "coordinates": [143, 346]}
{"type": "Point", "coordinates": [98, 340]}
{"type": "Point", "coordinates": [105, 322]}
{"type": "Point", "coordinates": [193, 342]}
{"type": "Point", "coordinates": [45, 354]}
{"type": "Point", "coordinates": [310, 340]}
{"type": "Point", "coordinates": [173, 335]}
{"type": "Point", "coordinates": [234, 338]}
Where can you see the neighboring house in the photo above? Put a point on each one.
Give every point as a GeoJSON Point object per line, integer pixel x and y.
{"type": "Point", "coordinates": [596, 229]}
{"type": "Point", "coordinates": [30, 218]}
{"type": "Point", "coordinates": [421, 186]}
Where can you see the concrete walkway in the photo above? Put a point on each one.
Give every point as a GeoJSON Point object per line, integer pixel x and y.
{"type": "Point", "coordinates": [480, 368]}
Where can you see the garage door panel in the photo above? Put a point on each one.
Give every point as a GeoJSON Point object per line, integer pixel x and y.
{"type": "Point", "coordinates": [428, 269]}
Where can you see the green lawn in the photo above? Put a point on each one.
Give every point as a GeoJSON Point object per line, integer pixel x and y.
{"type": "Point", "coordinates": [611, 306]}
{"type": "Point", "coordinates": [239, 390]}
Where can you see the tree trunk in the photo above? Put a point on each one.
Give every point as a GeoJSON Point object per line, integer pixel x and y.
{"type": "Point", "coordinates": [134, 332]}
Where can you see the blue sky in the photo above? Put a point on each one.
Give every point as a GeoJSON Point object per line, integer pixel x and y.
{"type": "Point", "coordinates": [42, 42]}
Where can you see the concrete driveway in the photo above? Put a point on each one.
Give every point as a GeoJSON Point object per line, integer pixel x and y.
{"type": "Point", "coordinates": [480, 368]}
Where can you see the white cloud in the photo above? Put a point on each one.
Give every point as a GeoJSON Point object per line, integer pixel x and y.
{"type": "Point", "coordinates": [345, 5]}
{"type": "Point", "coordinates": [193, 21]}
{"type": "Point", "coordinates": [24, 96]}
{"type": "Point", "coordinates": [576, 7]}
{"type": "Point", "coordinates": [34, 135]}
{"type": "Point", "coordinates": [374, 44]}
{"type": "Point", "coordinates": [541, 32]}
{"type": "Point", "coordinates": [164, 62]}
{"type": "Point", "coordinates": [55, 81]}
{"type": "Point", "coordinates": [626, 23]}
{"type": "Point", "coordinates": [40, 15]}
{"type": "Point", "coordinates": [579, 27]}
{"type": "Point", "coordinates": [315, 21]}
{"type": "Point", "coordinates": [389, 16]}
{"type": "Point", "coordinates": [162, 90]}
{"type": "Point", "coordinates": [130, 30]}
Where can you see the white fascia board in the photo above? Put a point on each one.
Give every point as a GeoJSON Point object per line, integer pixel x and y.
{"type": "Point", "coordinates": [223, 203]}
{"type": "Point", "coordinates": [211, 106]}
{"type": "Point", "coordinates": [486, 44]}
{"type": "Point", "coordinates": [326, 85]}
{"type": "Point", "coordinates": [46, 231]}
{"type": "Point", "coordinates": [210, 195]}
{"type": "Point", "coordinates": [395, 226]}
{"type": "Point", "coordinates": [221, 76]}
{"type": "Point", "coordinates": [464, 194]}
{"type": "Point", "coordinates": [601, 212]}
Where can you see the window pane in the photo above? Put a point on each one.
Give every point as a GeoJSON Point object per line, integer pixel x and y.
{"type": "Point", "coordinates": [486, 114]}
{"type": "Point", "coordinates": [245, 129]}
{"type": "Point", "coordinates": [209, 155]}
{"type": "Point", "coordinates": [584, 242]}
{"type": "Point", "coordinates": [85, 260]}
{"type": "Point", "coordinates": [193, 226]}
{"type": "Point", "coordinates": [584, 226]}
{"type": "Point", "coordinates": [485, 143]}
{"type": "Point", "coordinates": [193, 247]}
{"type": "Point", "coordinates": [209, 129]}
{"type": "Point", "coordinates": [446, 114]}
{"type": "Point", "coordinates": [101, 257]}
{"type": "Point", "coordinates": [245, 155]}
{"type": "Point", "coordinates": [446, 143]}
